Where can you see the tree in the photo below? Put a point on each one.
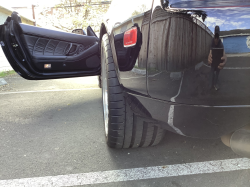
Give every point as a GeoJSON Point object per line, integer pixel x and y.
{"type": "Point", "coordinates": [72, 14]}
{"type": "Point", "coordinates": [141, 9]}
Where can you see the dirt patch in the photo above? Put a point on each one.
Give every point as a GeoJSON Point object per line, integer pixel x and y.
{"type": "Point", "coordinates": [4, 74]}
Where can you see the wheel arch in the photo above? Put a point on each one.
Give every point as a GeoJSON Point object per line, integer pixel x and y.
{"type": "Point", "coordinates": [103, 30]}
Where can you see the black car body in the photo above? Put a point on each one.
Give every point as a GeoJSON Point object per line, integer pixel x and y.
{"type": "Point", "coordinates": [165, 78]}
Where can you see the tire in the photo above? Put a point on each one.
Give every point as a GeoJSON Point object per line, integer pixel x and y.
{"type": "Point", "coordinates": [123, 128]}
{"type": "Point", "coordinates": [99, 81]}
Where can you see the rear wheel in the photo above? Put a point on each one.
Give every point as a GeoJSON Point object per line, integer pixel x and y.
{"type": "Point", "coordinates": [123, 129]}
{"type": "Point", "coordinates": [99, 81]}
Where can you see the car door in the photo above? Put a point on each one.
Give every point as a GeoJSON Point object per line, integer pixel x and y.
{"type": "Point", "coordinates": [38, 53]}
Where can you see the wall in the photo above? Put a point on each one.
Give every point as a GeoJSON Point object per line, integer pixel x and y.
{"type": "Point", "coordinates": [237, 44]}
{"type": "Point", "coordinates": [4, 64]}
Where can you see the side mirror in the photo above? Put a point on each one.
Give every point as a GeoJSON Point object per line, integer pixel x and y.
{"type": "Point", "coordinates": [79, 31]}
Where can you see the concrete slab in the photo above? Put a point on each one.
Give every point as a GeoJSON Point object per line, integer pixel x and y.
{"type": "Point", "coordinates": [60, 133]}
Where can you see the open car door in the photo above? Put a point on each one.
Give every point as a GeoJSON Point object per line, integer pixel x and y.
{"type": "Point", "coordinates": [37, 53]}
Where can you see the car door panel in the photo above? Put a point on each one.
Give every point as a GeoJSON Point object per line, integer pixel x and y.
{"type": "Point", "coordinates": [57, 35]}
{"type": "Point", "coordinates": [60, 54]}
{"type": "Point", "coordinates": [38, 53]}
{"type": "Point", "coordinates": [90, 32]}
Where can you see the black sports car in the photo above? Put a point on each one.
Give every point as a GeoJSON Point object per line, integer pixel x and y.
{"type": "Point", "coordinates": [181, 66]}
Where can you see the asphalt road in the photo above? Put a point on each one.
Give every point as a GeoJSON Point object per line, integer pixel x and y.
{"type": "Point", "coordinates": [50, 133]}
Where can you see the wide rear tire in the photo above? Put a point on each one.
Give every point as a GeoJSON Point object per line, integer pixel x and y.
{"type": "Point", "coordinates": [123, 128]}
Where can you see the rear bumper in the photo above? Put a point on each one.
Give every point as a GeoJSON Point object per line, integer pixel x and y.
{"type": "Point", "coordinates": [197, 121]}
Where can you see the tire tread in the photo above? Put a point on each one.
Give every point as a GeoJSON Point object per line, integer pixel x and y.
{"type": "Point", "coordinates": [127, 127]}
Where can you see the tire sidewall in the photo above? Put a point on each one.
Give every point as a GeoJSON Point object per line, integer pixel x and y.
{"type": "Point", "coordinates": [101, 79]}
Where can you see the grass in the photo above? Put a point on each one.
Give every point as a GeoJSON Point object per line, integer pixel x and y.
{"type": "Point", "coordinates": [6, 73]}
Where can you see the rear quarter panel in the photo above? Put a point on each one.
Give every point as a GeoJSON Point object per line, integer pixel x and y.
{"type": "Point", "coordinates": [172, 77]}
{"type": "Point", "coordinates": [121, 16]}
{"type": "Point", "coordinates": [179, 45]}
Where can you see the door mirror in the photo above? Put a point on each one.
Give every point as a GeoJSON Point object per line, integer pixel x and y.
{"type": "Point", "coordinates": [79, 31]}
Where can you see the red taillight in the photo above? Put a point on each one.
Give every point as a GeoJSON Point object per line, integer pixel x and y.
{"type": "Point", "coordinates": [130, 37]}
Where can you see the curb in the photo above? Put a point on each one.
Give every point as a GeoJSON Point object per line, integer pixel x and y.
{"type": "Point", "coordinates": [139, 71]}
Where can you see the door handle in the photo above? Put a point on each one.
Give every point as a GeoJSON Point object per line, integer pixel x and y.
{"type": "Point", "coordinates": [68, 50]}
